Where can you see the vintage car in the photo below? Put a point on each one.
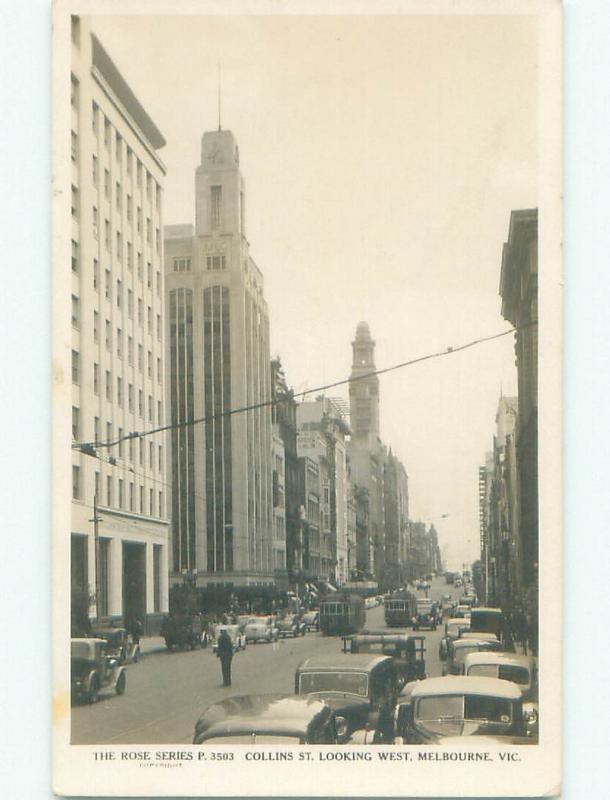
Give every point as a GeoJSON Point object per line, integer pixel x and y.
{"type": "Point", "coordinates": [507, 667]}
{"type": "Point", "coordinates": [119, 644]}
{"type": "Point", "coordinates": [266, 719]}
{"type": "Point", "coordinates": [425, 615]}
{"type": "Point", "coordinates": [244, 619]}
{"type": "Point", "coordinates": [479, 636]}
{"type": "Point", "coordinates": [462, 612]}
{"type": "Point", "coordinates": [361, 690]}
{"type": "Point", "coordinates": [183, 630]}
{"type": "Point", "coordinates": [454, 628]}
{"type": "Point", "coordinates": [92, 670]}
{"type": "Point", "coordinates": [488, 620]}
{"type": "Point", "coordinates": [458, 650]}
{"type": "Point", "coordinates": [261, 629]}
{"type": "Point", "coordinates": [407, 652]}
{"type": "Point", "coordinates": [311, 620]}
{"type": "Point", "coordinates": [430, 711]}
{"type": "Point", "coordinates": [238, 638]}
{"type": "Point", "coordinates": [399, 609]}
{"type": "Point", "coordinates": [291, 625]}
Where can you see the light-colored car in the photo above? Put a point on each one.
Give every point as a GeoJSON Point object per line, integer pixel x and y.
{"type": "Point", "coordinates": [261, 629]}
{"type": "Point", "coordinates": [507, 667]}
{"type": "Point", "coordinates": [235, 634]}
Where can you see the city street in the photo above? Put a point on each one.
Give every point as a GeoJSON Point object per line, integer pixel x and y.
{"type": "Point", "coordinates": [167, 691]}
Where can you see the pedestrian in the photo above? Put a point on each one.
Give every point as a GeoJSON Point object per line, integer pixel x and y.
{"type": "Point", "coordinates": [224, 651]}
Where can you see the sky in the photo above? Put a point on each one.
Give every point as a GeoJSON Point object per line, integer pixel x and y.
{"type": "Point", "coordinates": [382, 157]}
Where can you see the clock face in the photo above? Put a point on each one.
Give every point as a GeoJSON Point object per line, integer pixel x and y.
{"type": "Point", "coordinates": [216, 156]}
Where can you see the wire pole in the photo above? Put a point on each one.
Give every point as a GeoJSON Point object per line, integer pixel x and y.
{"type": "Point", "coordinates": [96, 556]}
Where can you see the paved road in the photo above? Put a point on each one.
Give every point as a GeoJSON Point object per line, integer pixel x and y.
{"type": "Point", "coordinates": [167, 691]}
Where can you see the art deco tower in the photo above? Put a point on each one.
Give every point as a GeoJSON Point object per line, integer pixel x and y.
{"type": "Point", "coordinates": [218, 357]}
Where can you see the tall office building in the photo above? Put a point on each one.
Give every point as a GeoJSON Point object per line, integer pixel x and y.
{"type": "Point", "coordinates": [218, 359]}
{"type": "Point", "coordinates": [120, 562]}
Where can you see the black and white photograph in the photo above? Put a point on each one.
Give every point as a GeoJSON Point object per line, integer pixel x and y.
{"type": "Point", "coordinates": [307, 400]}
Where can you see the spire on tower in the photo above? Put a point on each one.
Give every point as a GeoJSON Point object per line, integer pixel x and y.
{"type": "Point", "coordinates": [219, 99]}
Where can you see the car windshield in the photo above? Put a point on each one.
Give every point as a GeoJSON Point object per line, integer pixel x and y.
{"type": "Point", "coordinates": [460, 653]}
{"type": "Point", "coordinates": [424, 608]}
{"type": "Point", "coordinates": [349, 682]}
{"type": "Point", "coordinates": [506, 672]}
{"type": "Point", "coordinates": [333, 608]}
{"type": "Point", "coordinates": [396, 605]}
{"type": "Point", "coordinates": [459, 707]}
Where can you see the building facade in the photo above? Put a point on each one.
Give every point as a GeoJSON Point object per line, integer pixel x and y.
{"type": "Point", "coordinates": [218, 360]}
{"type": "Point", "coordinates": [119, 554]}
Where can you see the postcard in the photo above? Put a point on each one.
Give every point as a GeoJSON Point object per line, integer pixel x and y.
{"type": "Point", "coordinates": [307, 466]}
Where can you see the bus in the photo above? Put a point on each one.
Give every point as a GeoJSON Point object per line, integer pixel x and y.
{"type": "Point", "coordinates": [341, 614]}
{"type": "Point", "coordinates": [399, 609]}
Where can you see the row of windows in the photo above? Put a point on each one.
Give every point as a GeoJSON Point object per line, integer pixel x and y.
{"type": "Point", "coordinates": [123, 151]}
{"type": "Point", "coordinates": [130, 399]}
{"type": "Point", "coordinates": [130, 497]}
{"type": "Point", "coordinates": [213, 263]}
{"type": "Point", "coordinates": [119, 333]}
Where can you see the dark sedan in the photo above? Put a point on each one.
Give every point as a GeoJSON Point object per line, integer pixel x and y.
{"type": "Point", "coordinates": [266, 719]}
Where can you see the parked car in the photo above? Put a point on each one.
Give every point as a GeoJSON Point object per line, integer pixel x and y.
{"type": "Point", "coordinates": [261, 629]}
{"type": "Point", "coordinates": [183, 630]}
{"type": "Point", "coordinates": [407, 652]}
{"type": "Point", "coordinates": [238, 638]}
{"type": "Point", "coordinates": [454, 628]}
{"type": "Point", "coordinates": [243, 619]}
{"type": "Point", "coordinates": [119, 644]}
{"type": "Point", "coordinates": [291, 625]}
{"type": "Point", "coordinates": [361, 690]}
{"type": "Point", "coordinates": [266, 719]}
{"type": "Point", "coordinates": [460, 648]}
{"type": "Point", "coordinates": [311, 620]}
{"type": "Point", "coordinates": [488, 620]}
{"type": "Point", "coordinates": [507, 667]}
{"type": "Point", "coordinates": [462, 612]}
{"type": "Point", "coordinates": [425, 615]}
{"type": "Point", "coordinates": [430, 711]}
{"type": "Point", "coordinates": [92, 670]}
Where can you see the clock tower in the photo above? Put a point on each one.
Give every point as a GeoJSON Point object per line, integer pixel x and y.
{"type": "Point", "coordinates": [364, 388]}
{"type": "Point", "coordinates": [219, 187]}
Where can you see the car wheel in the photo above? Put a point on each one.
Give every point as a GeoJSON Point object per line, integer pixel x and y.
{"type": "Point", "coordinates": [94, 690]}
{"type": "Point", "coordinates": [121, 683]}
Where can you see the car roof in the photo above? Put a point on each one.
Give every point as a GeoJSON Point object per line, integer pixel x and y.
{"type": "Point", "coordinates": [286, 714]}
{"type": "Point", "coordinates": [483, 636]}
{"type": "Point", "coordinates": [457, 684]}
{"type": "Point", "coordinates": [346, 662]}
{"type": "Point", "coordinates": [489, 657]}
{"type": "Point", "coordinates": [471, 642]}
{"type": "Point", "coordinates": [458, 621]}
{"type": "Point", "coordinates": [89, 640]}
{"type": "Point", "coordinates": [488, 609]}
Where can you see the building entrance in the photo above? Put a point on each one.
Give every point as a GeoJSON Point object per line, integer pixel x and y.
{"type": "Point", "coordinates": [134, 583]}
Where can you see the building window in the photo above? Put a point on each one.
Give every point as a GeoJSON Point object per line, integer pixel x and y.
{"type": "Point", "coordinates": [119, 392]}
{"type": "Point", "coordinates": [106, 132]}
{"type": "Point", "coordinates": [96, 274]}
{"type": "Point", "coordinates": [119, 147]}
{"type": "Point", "coordinates": [74, 146]}
{"type": "Point", "coordinates": [96, 326]}
{"type": "Point", "coordinates": [129, 256]}
{"type": "Point", "coordinates": [160, 458]}
{"type": "Point", "coordinates": [94, 170]}
{"type": "Point", "coordinates": [75, 366]}
{"type": "Point", "coordinates": [140, 311]}
{"type": "Point", "coordinates": [130, 350]}
{"type": "Point", "coordinates": [109, 431]}
{"type": "Point", "coordinates": [120, 438]}
{"type": "Point", "coordinates": [75, 423]}
{"type": "Point", "coordinates": [158, 196]}
{"type": "Point", "coordinates": [149, 185]}
{"type": "Point", "coordinates": [182, 265]}
{"type": "Point", "coordinates": [215, 205]}
{"type": "Point", "coordinates": [96, 223]}
{"type": "Point", "coordinates": [74, 202]}
{"type": "Point", "coordinates": [94, 117]}
{"type": "Point", "coordinates": [129, 303]}
{"type": "Point", "coordinates": [75, 312]}
{"type": "Point", "coordinates": [151, 455]}
{"type": "Point", "coordinates": [75, 264]}
{"type": "Point", "coordinates": [119, 343]}
{"type": "Point", "coordinates": [141, 414]}
{"type": "Point", "coordinates": [107, 184]}
{"type": "Point", "coordinates": [160, 509]}
{"type": "Point", "coordinates": [131, 497]}
{"type": "Point", "coordinates": [139, 219]}
{"type": "Point", "coordinates": [149, 363]}
{"type": "Point", "coordinates": [119, 293]}
{"type": "Point", "coordinates": [75, 483]}
{"type": "Point", "coordinates": [119, 246]}
{"type": "Point", "coordinates": [159, 371]}
{"type": "Point", "coordinates": [159, 412]}
{"type": "Point", "coordinates": [140, 357]}
{"type": "Point", "coordinates": [130, 396]}
{"type": "Point", "coordinates": [108, 335]}
{"type": "Point", "coordinates": [139, 266]}
{"type": "Point", "coordinates": [129, 207]}
{"type": "Point", "coordinates": [97, 485]}
{"type": "Point", "coordinates": [158, 283]}
{"type": "Point", "coordinates": [149, 323]}
{"type": "Point", "coordinates": [107, 234]}
{"type": "Point", "coordinates": [151, 497]}
{"type": "Point", "coordinates": [159, 327]}
{"type": "Point", "coordinates": [109, 490]}
{"type": "Point", "coordinates": [74, 91]}
{"type": "Point", "coordinates": [150, 408]}
{"type": "Point", "coordinates": [139, 174]}
{"type": "Point", "coordinates": [158, 240]}
{"type": "Point", "coordinates": [149, 274]}
{"type": "Point", "coordinates": [96, 433]}
{"type": "Point", "coordinates": [117, 196]}
{"type": "Point", "coordinates": [141, 499]}
{"type": "Point", "coordinates": [96, 378]}
{"type": "Point", "coordinates": [215, 262]}
{"type": "Point", "coordinates": [108, 285]}
{"type": "Point", "coordinates": [120, 493]}
{"type": "Point", "coordinates": [129, 158]}
{"type": "Point", "coordinates": [108, 385]}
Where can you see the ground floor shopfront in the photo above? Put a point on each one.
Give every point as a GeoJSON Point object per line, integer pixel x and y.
{"type": "Point", "coordinates": [120, 574]}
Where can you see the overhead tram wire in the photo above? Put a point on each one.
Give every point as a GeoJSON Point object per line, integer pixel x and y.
{"type": "Point", "coordinates": [88, 447]}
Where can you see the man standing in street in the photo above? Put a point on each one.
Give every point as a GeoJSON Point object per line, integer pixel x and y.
{"type": "Point", "coordinates": [224, 652]}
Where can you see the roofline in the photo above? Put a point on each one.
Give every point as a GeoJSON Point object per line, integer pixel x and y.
{"type": "Point", "coordinates": [457, 684]}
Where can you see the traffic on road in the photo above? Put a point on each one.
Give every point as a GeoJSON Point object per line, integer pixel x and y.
{"type": "Point", "coordinates": [422, 664]}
